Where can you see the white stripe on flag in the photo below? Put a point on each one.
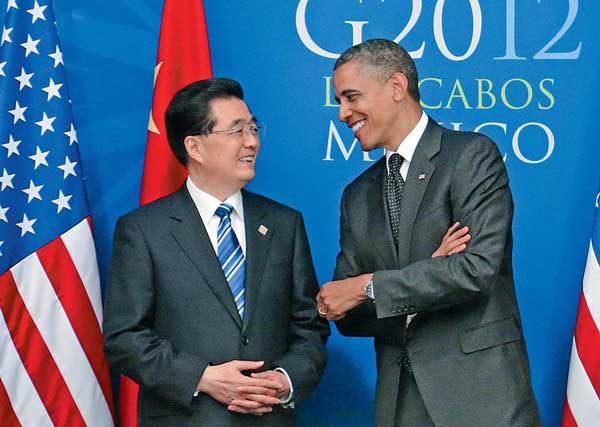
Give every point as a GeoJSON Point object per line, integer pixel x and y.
{"type": "Point", "coordinates": [80, 244]}
{"type": "Point", "coordinates": [23, 396]}
{"type": "Point", "coordinates": [54, 326]}
{"type": "Point", "coordinates": [591, 285]}
{"type": "Point", "coordinates": [582, 398]}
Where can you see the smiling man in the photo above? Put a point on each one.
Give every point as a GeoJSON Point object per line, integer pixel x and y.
{"type": "Point", "coordinates": [448, 337]}
{"type": "Point", "coordinates": [210, 302]}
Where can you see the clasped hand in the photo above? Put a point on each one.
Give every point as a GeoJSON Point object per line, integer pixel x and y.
{"type": "Point", "coordinates": [255, 394]}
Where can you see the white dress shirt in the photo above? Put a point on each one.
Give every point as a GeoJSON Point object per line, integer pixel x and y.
{"type": "Point", "coordinates": [207, 206]}
{"type": "Point", "coordinates": [408, 146]}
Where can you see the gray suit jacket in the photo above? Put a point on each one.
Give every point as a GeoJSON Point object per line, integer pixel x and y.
{"type": "Point", "coordinates": [466, 344]}
{"type": "Point", "coordinates": [169, 312]}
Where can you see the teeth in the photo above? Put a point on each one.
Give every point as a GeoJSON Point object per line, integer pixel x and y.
{"type": "Point", "coordinates": [247, 159]}
{"type": "Point", "coordinates": [358, 126]}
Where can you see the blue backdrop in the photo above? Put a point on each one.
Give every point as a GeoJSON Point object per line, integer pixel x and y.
{"type": "Point", "coordinates": [523, 73]}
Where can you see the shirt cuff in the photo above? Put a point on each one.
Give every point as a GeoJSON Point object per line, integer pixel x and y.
{"type": "Point", "coordinates": [288, 401]}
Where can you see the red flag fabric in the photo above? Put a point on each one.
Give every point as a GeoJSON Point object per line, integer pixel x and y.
{"type": "Point", "coordinates": [183, 57]}
{"type": "Point", "coordinates": [582, 405]}
{"type": "Point", "coordinates": [52, 367]}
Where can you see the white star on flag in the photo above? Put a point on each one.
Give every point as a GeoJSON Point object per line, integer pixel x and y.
{"type": "Point", "coordinates": [68, 168]}
{"type": "Point", "coordinates": [3, 213]}
{"type": "Point", "coordinates": [2, 64]}
{"type": "Point", "coordinates": [72, 134]}
{"type": "Point", "coordinates": [12, 146]}
{"type": "Point", "coordinates": [39, 158]}
{"type": "Point", "coordinates": [12, 3]}
{"type": "Point", "coordinates": [46, 124]}
{"type": "Point", "coordinates": [1, 243]}
{"type": "Point", "coordinates": [6, 35]}
{"type": "Point", "coordinates": [18, 112]}
{"type": "Point", "coordinates": [33, 192]}
{"type": "Point", "coordinates": [30, 46]}
{"type": "Point", "coordinates": [24, 79]}
{"type": "Point", "coordinates": [57, 56]}
{"type": "Point", "coordinates": [62, 202]}
{"type": "Point", "coordinates": [37, 12]}
{"type": "Point", "coordinates": [6, 180]}
{"type": "Point", "coordinates": [26, 225]}
{"type": "Point", "coordinates": [52, 89]}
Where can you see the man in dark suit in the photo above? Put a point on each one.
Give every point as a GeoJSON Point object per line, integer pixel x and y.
{"type": "Point", "coordinates": [210, 305]}
{"type": "Point", "coordinates": [448, 337]}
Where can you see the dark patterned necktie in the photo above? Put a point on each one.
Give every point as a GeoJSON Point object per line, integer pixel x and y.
{"type": "Point", "coordinates": [394, 188]}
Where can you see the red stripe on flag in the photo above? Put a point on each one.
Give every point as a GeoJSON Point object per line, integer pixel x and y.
{"type": "Point", "coordinates": [36, 357]}
{"type": "Point", "coordinates": [587, 340]}
{"type": "Point", "coordinates": [69, 288]}
{"type": "Point", "coordinates": [568, 420]}
{"type": "Point", "coordinates": [7, 414]}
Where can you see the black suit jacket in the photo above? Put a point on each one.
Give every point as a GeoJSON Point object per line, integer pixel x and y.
{"type": "Point", "coordinates": [169, 312]}
{"type": "Point", "coordinates": [466, 344]}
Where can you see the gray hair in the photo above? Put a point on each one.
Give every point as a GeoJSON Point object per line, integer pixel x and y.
{"type": "Point", "coordinates": [383, 57]}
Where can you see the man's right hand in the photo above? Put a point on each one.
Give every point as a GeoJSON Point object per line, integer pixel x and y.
{"type": "Point", "coordinates": [222, 382]}
{"type": "Point", "coordinates": [454, 241]}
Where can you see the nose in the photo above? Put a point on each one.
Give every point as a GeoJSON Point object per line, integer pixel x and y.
{"type": "Point", "coordinates": [345, 112]}
{"type": "Point", "coordinates": [249, 140]}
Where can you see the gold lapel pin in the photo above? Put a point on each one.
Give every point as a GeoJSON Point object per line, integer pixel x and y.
{"type": "Point", "coordinates": [263, 230]}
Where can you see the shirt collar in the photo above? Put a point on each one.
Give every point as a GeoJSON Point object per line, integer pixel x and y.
{"type": "Point", "coordinates": [208, 204]}
{"type": "Point", "coordinates": [408, 146]}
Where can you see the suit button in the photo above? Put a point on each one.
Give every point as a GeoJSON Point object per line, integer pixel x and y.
{"type": "Point", "coordinates": [245, 340]}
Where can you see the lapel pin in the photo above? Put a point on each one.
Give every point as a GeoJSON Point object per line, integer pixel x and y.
{"type": "Point", "coordinates": [263, 230]}
{"type": "Point", "coordinates": [422, 177]}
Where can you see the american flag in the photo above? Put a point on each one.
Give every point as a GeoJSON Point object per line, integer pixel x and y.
{"type": "Point", "coordinates": [52, 367]}
{"type": "Point", "coordinates": [582, 406]}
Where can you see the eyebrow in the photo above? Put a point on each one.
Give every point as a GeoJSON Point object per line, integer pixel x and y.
{"type": "Point", "coordinates": [238, 121]}
{"type": "Point", "coordinates": [346, 93]}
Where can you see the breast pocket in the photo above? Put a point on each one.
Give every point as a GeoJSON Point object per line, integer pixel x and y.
{"type": "Point", "coordinates": [489, 335]}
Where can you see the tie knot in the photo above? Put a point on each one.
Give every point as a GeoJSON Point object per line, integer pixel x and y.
{"type": "Point", "coordinates": [224, 210]}
{"type": "Point", "coordinates": [394, 163]}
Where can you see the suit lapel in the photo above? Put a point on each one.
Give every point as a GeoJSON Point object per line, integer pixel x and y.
{"type": "Point", "coordinates": [419, 175]}
{"type": "Point", "coordinates": [258, 242]}
{"type": "Point", "coordinates": [378, 216]}
{"type": "Point", "coordinates": [190, 233]}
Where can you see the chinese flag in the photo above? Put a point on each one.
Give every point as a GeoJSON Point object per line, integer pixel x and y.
{"type": "Point", "coordinates": [183, 57]}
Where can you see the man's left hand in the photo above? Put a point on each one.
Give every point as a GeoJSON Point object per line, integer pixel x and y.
{"type": "Point", "coordinates": [339, 296]}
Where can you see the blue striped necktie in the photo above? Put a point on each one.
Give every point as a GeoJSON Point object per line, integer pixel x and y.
{"type": "Point", "coordinates": [231, 256]}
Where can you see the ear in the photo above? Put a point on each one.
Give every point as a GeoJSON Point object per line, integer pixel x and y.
{"type": "Point", "coordinates": [194, 147]}
{"type": "Point", "coordinates": [399, 84]}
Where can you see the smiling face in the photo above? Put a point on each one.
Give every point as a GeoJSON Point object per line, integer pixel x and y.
{"type": "Point", "coordinates": [371, 107]}
{"type": "Point", "coordinates": [222, 163]}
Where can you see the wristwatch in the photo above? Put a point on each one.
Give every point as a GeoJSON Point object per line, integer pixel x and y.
{"type": "Point", "coordinates": [369, 290]}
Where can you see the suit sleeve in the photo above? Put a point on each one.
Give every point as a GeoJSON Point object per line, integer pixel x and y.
{"type": "Point", "coordinates": [362, 320]}
{"type": "Point", "coordinates": [130, 343]}
{"type": "Point", "coordinates": [305, 358]}
{"type": "Point", "coordinates": [480, 198]}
